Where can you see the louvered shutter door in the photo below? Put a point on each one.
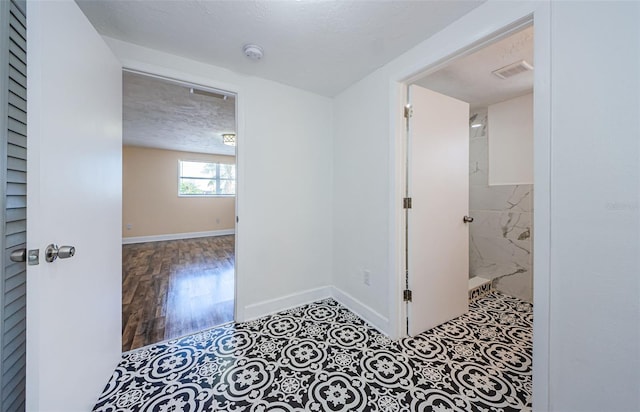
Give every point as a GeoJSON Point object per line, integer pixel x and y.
{"type": "Point", "coordinates": [14, 181]}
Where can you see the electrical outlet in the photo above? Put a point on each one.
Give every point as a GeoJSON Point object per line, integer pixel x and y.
{"type": "Point", "coordinates": [367, 277]}
{"type": "Point", "coordinates": [129, 226]}
{"type": "Point", "coordinates": [217, 221]}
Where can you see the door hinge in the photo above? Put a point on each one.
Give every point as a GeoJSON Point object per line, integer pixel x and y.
{"type": "Point", "coordinates": [408, 111]}
{"type": "Point", "coordinates": [406, 203]}
{"type": "Point", "coordinates": [406, 295]}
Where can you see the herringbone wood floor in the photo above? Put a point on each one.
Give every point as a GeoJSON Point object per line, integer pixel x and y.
{"type": "Point", "coordinates": [176, 287]}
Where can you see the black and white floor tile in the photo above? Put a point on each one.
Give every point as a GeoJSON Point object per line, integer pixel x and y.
{"type": "Point", "coordinates": [322, 357]}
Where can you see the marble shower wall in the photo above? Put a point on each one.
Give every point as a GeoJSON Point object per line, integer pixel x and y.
{"type": "Point", "coordinates": [500, 237]}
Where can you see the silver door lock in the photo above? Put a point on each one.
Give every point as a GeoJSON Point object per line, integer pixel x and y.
{"type": "Point", "coordinates": [52, 252]}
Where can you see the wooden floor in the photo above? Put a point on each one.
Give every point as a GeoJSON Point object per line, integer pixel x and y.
{"type": "Point", "coordinates": [176, 287]}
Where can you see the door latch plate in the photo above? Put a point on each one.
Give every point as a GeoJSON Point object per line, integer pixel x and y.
{"type": "Point", "coordinates": [33, 257]}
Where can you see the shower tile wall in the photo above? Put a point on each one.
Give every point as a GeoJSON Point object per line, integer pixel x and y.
{"type": "Point", "coordinates": [501, 236]}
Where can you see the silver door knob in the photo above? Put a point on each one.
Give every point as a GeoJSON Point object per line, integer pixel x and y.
{"type": "Point", "coordinates": [467, 219]}
{"type": "Point", "coordinates": [18, 255]}
{"type": "Point", "coordinates": [52, 252]}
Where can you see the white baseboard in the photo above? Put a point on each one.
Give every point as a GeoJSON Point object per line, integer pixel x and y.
{"type": "Point", "coordinates": [176, 236]}
{"type": "Point", "coordinates": [268, 307]}
{"type": "Point", "coordinates": [367, 314]}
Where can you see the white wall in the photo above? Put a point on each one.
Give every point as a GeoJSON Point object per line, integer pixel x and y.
{"type": "Point", "coordinates": [595, 182]}
{"type": "Point", "coordinates": [586, 334]}
{"type": "Point", "coordinates": [361, 186]}
{"type": "Point", "coordinates": [367, 119]}
{"type": "Point", "coordinates": [284, 180]}
{"type": "Point", "coordinates": [511, 141]}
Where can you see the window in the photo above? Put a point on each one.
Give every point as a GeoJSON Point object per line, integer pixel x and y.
{"type": "Point", "coordinates": [206, 179]}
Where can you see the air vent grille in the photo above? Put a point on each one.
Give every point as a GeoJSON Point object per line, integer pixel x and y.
{"type": "Point", "coordinates": [209, 94]}
{"type": "Point", "coordinates": [513, 69]}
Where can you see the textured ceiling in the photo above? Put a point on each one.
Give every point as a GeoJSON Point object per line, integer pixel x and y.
{"type": "Point", "coordinates": [470, 79]}
{"type": "Point", "coordinates": [164, 115]}
{"type": "Point", "coordinates": [320, 46]}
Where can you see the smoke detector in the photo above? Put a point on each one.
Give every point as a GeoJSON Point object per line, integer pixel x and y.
{"type": "Point", "coordinates": [513, 69]}
{"type": "Point", "coordinates": [253, 51]}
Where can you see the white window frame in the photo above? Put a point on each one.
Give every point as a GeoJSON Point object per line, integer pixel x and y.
{"type": "Point", "coordinates": [216, 179]}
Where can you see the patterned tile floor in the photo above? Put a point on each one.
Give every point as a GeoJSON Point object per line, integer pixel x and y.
{"type": "Point", "coordinates": [322, 357]}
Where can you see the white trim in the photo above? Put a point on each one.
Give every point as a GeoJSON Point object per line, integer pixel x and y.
{"type": "Point", "coordinates": [367, 314]}
{"type": "Point", "coordinates": [271, 306]}
{"type": "Point", "coordinates": [176, 236]}
{"type": "Point", "coordinates": [168, 66]}
{"type": "Point", "coordinates": [268, 307]}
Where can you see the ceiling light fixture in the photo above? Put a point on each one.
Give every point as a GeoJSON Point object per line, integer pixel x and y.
{"type": "Point", "coordinates": [253, 51]}
{"type": "Point", "coordinates": [229, 139]}
{"type": "Point", "coordinates": [476, 125]}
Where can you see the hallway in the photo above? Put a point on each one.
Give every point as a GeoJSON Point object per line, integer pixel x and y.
{"type": "Point", "coordinates": [322, 357]}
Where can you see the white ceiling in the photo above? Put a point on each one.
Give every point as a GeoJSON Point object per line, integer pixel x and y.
{"type": "Point", "coordinates": [164, 115]}
{"type": "Point", "coordinates": [320, 46]}
{"type": "Point", "coordinates": [470, 79]}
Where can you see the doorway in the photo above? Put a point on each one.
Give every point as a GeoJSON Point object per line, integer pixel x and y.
{"type": "Point", "coordinates": [179, 208]}
{"type": "Point", "coordinates": [497, 82]}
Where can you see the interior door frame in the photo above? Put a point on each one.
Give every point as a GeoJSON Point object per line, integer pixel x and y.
{"type": "Point", "coordinates": [496, 27]}
{"type": "Point", "coordinates": [183, 79]}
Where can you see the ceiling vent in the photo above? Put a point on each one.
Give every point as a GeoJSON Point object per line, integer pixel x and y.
{"type": "Point", "coordinates": [209, 94]}
{"type": "Point", "coordinates": [513, 69]}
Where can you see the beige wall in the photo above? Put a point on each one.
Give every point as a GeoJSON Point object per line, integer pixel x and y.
{"type": "Point", "coordinates": [150, 202]}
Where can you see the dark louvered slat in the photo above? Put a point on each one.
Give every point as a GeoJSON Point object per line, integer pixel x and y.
{"type": "Point", "coordinates": [17, 14]}
{"type": "Point", "coordinates": [21, 78]}
{"type": "Point", "coordinates": [15, 331]}
{"type": "Point", "coordinates": [15, 306]}
{"type": "Point", "coordinates": [17, 63]}
{"type": "Point", "coordinates": [16, 396]}
{"type": "Point", "coordinates": [16, 214]}
{"type": "Point", "coordinates": [17, 152]}
{"type": "Point", "coordinates": [14, 202]}
{"type": "Point", "coordinates": [16, 239]}
{"type": "Point", "coordinates": [17, 114]}
{"type": "Point", "coordinates": [12, 295]}
{"type": "Point", "coordinates": [17, 279]}
{"type": "Point", "coordinates": [18, 89]}
{"type": "Point", "coordinates": [17, 139]}
{"type": "Point", "coordinates": [14, 386]}
{"type": "Point", "coordinates": [16, 164]}
{"type": "Point", "coordinates": [16, 189]}
{"type": "Point", "coordinates": [12, 270]}
{"type": "Point", "coordinates": [10, 362]}
{"type": "Point", "coordinates": [16, 227]}
{"type": "Point", "coordinates": [14, 176]}
{"type": "Point", "coordinates": [15, 371]}
{"type": "Point", "coordinates": [16, 126]}
{"type": "Point", "coordinates": [12, 390]}
{"type": "Point", "coordinates": [17, 102]}
{"type": "Point", "coordinates": [18, 35]}
{"type": "Point", "coordinates": [12, 320]}
{"type": "Point", "coordinates": [15, 50]}
{"type": "Point", "coordinates": [11, 347]}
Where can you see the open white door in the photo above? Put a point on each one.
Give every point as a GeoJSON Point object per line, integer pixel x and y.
{"type": "Point", "coordinates": [438, 239]}
{"type": "Point", "coordinates": [74, 198]}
